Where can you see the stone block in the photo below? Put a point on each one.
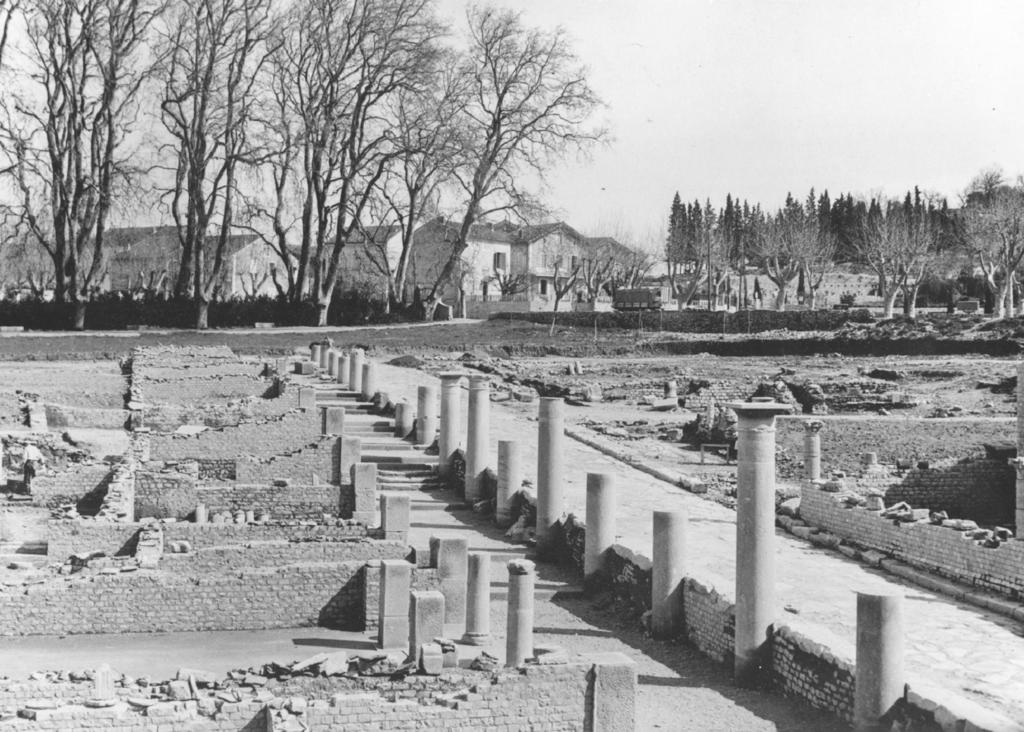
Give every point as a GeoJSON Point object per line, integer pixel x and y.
{"type": "Point", "coordinates": [395, 515]}
{"type": "Point", "coordinates": [333, 421]}
{"type": "Point", "coordinates": [364, 481]}
{"type": "Point", "coordinates": [426, 618]}
{"type": "Point", "coordinates": [431, 659]}
{"type": "Point", "coordinates": [450, 555]}
{"type": "Point", "coordinates": [614, 706]}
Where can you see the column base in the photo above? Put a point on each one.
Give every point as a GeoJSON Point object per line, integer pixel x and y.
{"type": "Point", "coordinates": [477, 639]}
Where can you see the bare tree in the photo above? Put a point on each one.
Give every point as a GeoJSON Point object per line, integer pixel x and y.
{"type": "Point", "coordinates": [529, 106]}
{"type": "Point", "coordinates": [64, 137]}
{"type": "Point", "coordinates": [994, 231]}
{"type": "Point", "coordinates": [8, 8]}
{"type": "Point", "coordinates": [215, 50]}
{"type": "Point", "coordinates": [511, 284]}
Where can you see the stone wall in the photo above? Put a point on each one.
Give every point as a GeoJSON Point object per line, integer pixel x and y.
{"type": "Point", "coordinates": [60, 416]}
{"type": "Point", "coordinates": [73, 536]}
{"type": "Point", "coordinates": [229, 558]}
{"type": "Point", "coordinates": [310, 464]}
{"type": "Point", "coordinates": [944, 551]}
{"type": "Point", "coordinates": [72, 486]}
{"type": "Point", "coordinates": [596, 692]}
{"type": "Point", "coordinates": [981, 489]}
{"type": "Point", "coordinates": [291, 431]}
{"type": "Point", "coordinates": [148, 601]}
{"type": "Point", "coordinates": [296, 502]}
{"type": "Point", "coordinates": [164, 494]}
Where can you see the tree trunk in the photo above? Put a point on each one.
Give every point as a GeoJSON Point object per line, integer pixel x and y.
{"type": "Point", "coordinates": [890, 303]}
{"type": "Point", "coordinates": [910, 302]}
{"type": "Point", "coordinates": [811, 298]}
{"type": "Point", "coordinates": [780, 298]}
{"type": "Point", "coordinates": [79, 315]}
{"type": "Point", "coordinates": [202, 315]}
{"type": "Point", "coordinates": [321, 312]}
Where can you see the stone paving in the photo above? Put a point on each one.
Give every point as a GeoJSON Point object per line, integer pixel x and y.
{"type": "Point", "coordinates": [952, 645]}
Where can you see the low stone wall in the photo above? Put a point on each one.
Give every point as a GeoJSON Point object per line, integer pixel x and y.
{"type": "Point", "coordinates": [225, 558]}
{"type": "Point", "coordinates": [291, 431]}
{"type": "Point", "coordinates": [60, 416]}
{"type": "Point", "coordinates": [71, 485]}
{"type": "Point", "coordinates": [937, 549]}
{"type": "Point", "coordinates": [981, 489]}
{"type": "Point", "coordinates": [149, 601]}
{"type": "Point", "coordinates": [165, 494]}
{"type": "Point", "coordinates": [319, 460]}
{"type": "Point", "coordinates": [73, 536]}
{"type": "Point", "coordinates": [167, 418]}
{"type": "Point", "coordinates": [807, 662]}
{"type": "Point", "coordinates": [592, 693]}
{"type": "Point", "coordinates": [297, 502]}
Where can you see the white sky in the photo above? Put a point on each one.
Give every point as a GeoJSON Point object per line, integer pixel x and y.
{"type": "Point", "coordinates": [761, 97]}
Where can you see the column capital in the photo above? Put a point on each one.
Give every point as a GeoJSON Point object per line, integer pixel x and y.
{"type": "Point", "coordinates": [1017, 463]}
{"type": "Point", "coordinates": [479, 381]}
{"type": "Point", "coordinates": [521, 566]}
{"type": "Point", "coordinates": [759, 408]}
{"type": "Point", "coordinates": [813, 425]}
{"type": "Point", "coordinates": [450, 377]}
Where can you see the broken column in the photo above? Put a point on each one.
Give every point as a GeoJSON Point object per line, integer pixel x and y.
{"type": "Point", "coordinates": [393, 609]}
{"type": "Point", "coordinates": [450, 438]}
{"type": "Point", "coordinates": [668, 570]}
{"type": "Point", "coordinates": [202, 513]}
{"type": "Point", "coordinates": [333, 421]}
{"type": "Point", "coordinates": [332, 362]}
{"type": "Point", "coordinates": [364, 483]}
{"type": "Point", "coordinates": [405, 419]}
{"type": "Point", "coordinates": [369, 385]}
{"type": "Point", "coordinates": [755, 535]}
{"type": "Point", "coordinates": [324, 353]}
{"type": "Point", "coordinates": [879, 662]}
{"type": "Point", "coordinates": [1019, 504]}
{"type": "Point", "coordinates": [478, 606]}
{"type": "Point", "coordinates": [812, 449]}
{"type": "Point", "coordinates": [344, 367]}
{"type": "Point", "coordinates": [550, 458]}
{"type": "Point", "coordinates": [426, 619]}
{"type": "Point", "coordinates": [426, 415]}
{"type": "Point", "coordinates": [478, 440]}
{"type": "Point", "coordinates": [510, 480]}
{"type": "Point", "coordinates": [355, 370]}
{"type": "Point", "coordinates": [307, 397]}
{"type": "Point", "coordinates": [671, 389]}
{"type": "Point", "coordinates": [449, 554]}
{"type": "Point", "coordinates": [314, 354]}
{"type": "Point", "coordinates": [519, 635]}
{"type": "Point", "coordinates": [600, 521]}
{"type": "Point", "coordinates": [395, 515]}
{"type": "Point", "coordinates": [103, 684]}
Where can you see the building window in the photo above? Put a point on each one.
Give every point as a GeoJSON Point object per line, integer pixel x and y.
{"type": "Point", "coordinates": [543, 287]}
{"type": "Point", "coordinates": [499, 261]}
{"type": "Point", "coordinates": [574, 263]}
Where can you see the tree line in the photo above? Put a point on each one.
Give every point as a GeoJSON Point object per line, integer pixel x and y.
{"type": "Point", "coordinates": [305, 122]}
{"type": "Point", "coordinates": [906, 243]}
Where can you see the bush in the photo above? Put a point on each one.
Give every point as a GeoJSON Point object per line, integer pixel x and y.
{"type": "Point", "coordinates": [110, 311]}
{"type": "Point", "coordinates": [703, 321]}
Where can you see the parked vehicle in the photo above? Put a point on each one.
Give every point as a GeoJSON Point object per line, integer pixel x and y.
{"type": "Point", "coordinates": [641, 298]}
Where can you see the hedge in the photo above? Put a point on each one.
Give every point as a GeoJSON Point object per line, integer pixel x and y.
{"type": "Point", "coordinates": [110, 312]}
{"type": "Point", "coordinates": [702, 321]}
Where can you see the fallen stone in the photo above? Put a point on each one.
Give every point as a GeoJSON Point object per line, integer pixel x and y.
{"type": "Point", "coordinates": [960, 524]}
{"type": "Point", "coordinates": [484, 662]}
{"type": "Point", "coordinates": [309, 662]}
{"type": "Point", "coordinates": [431, 659]}
{"type": "Point", "coordinates": [178, 690]}
{"type": "Point", "coordinates": [790, 507]}
{"type": "Point", "coordinates": [203, 678]}
{"type": "Point", "coordinates": [802, 532]}
{"type": "Point", "coordinates": [550, 655]}
{"type": "Point", "coordinates": [334, 664]}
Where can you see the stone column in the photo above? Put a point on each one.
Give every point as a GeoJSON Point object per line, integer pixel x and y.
{"type": "Point", "coordinates": [671, 389]}
{"type": "Point", "coordinates": [755, 535]}
{"type": "Point", "coordinates": [478, 607]}
{"type": "Point", "coordinates": [369, 387]}
{"type": "Point", "coordinates": [202, 513]}
{"type": "Point", "coordinates": [519, 635]}
{"type": "Point", "coordinates": [1019, 504]}
{"type": "Point", "coordinates": [395, 513]}
{"type": "Point", "coordinates": [600, 521]}
{"type": "Point", "coordinates": [103, 683]}
{"type": "Point", "coordinates": [668, 570]}
{"type": "Point", "coordinates": [550, 475]}
{"type": "Point", "coordinates": [332, 363]}
{"type": "Point", "coordinates": [314, 355]}
{"type": "Point", "coordinates": [333, 421]}
{"type": "Point", "coordinates": [450, 554]}
{"type": "Point", "coordinates": [344, 367]}
{"type": "Point", "coordinates": [364, 484]}
{"type": "Point", "coordinates": [405, 419]}
{"type": "Point", "coordinates": [450, 438]}
{"type": "Point", "coordinates": [393, 609]}
{"type": "Point", "coordinates": [355, 370]}
{"type": "Point", "coordinates": [879, 670]}
{"type": "Point", "coordinates": [426, 619]}
{"type": "Point", "coordinates": [478, 440]}
{"type": "Point", "coordinates": [510, 480]}
{"type": "Point", "coordinates": [324, 353]}
{"type": "Point", "coordinates": [307, 397]}
{"type": "Point", "coordinates": [812, 449]}
{"type": "Point", "coordinates": [426, 415]}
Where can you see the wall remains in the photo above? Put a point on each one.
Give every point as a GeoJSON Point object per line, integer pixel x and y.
{"type": "Point", "coordinates": [423, 578]}
{"type": "Point", "coordinates": [953, 554]}
{"type": "Point", "coordinates": [981, 489]}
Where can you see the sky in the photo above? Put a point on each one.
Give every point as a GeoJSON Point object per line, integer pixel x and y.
{"type": "Point", "coordinates": [762, 97]}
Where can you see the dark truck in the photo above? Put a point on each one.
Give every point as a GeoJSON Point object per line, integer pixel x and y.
{"type": "Point", "coordinates": [641, 298]}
